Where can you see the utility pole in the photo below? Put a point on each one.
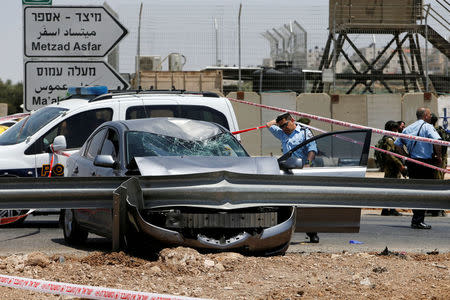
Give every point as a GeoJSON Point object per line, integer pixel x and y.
{"type": "Point", "coordinates": [138, 58]}
{"type": "Point", "coordinates": [239, 46]}
{"type": "Point", "coordinates": [217, 42]}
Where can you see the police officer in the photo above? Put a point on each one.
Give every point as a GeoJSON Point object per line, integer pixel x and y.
{"type": "Point", "coordinates": [420, 151]}
{"type": "Point", "coordinates": [291, 135]}
{"type": "Point", "coordinates": [392, 165]}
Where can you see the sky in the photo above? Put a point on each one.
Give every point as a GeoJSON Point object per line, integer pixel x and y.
{"type": "Point", "coordinates": [186, 27]}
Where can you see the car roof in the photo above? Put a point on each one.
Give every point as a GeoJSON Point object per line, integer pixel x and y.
{"type": "Point", "coordinates": [185, 129]}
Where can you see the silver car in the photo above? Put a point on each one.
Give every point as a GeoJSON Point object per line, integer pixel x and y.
{"type": "Point", "coordinates": [173, 146]}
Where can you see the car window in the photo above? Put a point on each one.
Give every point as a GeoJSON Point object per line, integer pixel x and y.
{"type": "Point", "coordinates": [193, 112]}
{"type": "Point", "coordinates": [347, 148]}
{"type": "Point", "coordinates": [94, 144]}
{"type": "Point", "coordinates": [76, 129]}
{"type": "Point", "coordinates": [30, 125]}
{"type": "Point", "coordinates": [111, 144]}
{"type": "Point", "coordinates": [141, 144]}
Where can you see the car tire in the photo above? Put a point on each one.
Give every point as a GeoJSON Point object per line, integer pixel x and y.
{"type": "Point", "coordinates": [73, 233]}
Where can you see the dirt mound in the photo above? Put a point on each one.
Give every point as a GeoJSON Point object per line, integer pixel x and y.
{"type": "Point", "coordinates": [186, 272]}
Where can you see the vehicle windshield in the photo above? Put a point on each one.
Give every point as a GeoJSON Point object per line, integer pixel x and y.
{"type": "Point", "coordinates": [30, 125]}
{"type": "Point", "coordinates": [141, 144]}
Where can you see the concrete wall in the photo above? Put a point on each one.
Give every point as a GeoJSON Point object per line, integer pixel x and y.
{"type": "Point", "coordinates": [249, 116]}
{"type": "Point", "coordinates": [380, 109]}
{"type": "Point", "coordinates": [315, 104]}
{"type": "Point", "coordinates": [349, 108]}
{"type": "Point", "coordinates": [3, 109]}
{"type": "Point", "coordinates": [270, 144]}
{"type": "Point", "coordinates": [367, 110]}
{"type": "Point", "coordinates": [412, 101]}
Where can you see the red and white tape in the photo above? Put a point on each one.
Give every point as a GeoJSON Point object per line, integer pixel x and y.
{"type": "Point", "coordinates": [391, 153]}
{"type": "Point", "coordinates": [16, 116]}
{"type": "Point", "coordinates": [84, 291]}
{"type": "Point", "coordinates": [9, 220]}
{"type": "Point", "coordinates": [346, 124]}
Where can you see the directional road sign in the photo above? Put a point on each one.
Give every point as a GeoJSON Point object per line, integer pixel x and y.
{"type": "Point", "coordinates": [70, 31]}
{"type": "Point", "coordinates": [46, 82]}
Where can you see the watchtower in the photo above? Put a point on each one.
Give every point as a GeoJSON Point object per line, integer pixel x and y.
{"type": "Point", "coordinates": [405, 20]}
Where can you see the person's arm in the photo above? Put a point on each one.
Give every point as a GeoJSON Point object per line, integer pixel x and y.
{"type": "Point", "coordinates": [438, 153]}
{"type": "Point", "coordinates": [270, 123]}
{"type": "Point", "coordinates": [311, 156]}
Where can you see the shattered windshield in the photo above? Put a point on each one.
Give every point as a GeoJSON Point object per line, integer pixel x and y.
{"type": "Point", "coordinates": [30, 125]}
{"type": "Point", "coordinates": [141, 144]}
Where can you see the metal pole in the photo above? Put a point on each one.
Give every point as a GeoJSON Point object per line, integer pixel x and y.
{"type": "Point", "coordinates": [426, 48]}
{"type": "Point", "coordinates": [138, 67]}
{"type": "Point", "coordinates": [239, 46]}
{"type": "Point", "coordinates": [334, 47]}
{"type": "Point", "coordinates": [217, 42]}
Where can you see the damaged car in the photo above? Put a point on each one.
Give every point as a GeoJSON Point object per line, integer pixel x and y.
{"type": "Point", "coordinates": [175, 146]}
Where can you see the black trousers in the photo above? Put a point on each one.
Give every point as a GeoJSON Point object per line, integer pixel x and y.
{"type": "Point", "coordinates": [416, 171]}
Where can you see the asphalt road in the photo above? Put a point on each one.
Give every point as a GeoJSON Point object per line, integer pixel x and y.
{"type": "Point", "coordinates": [41, 233]}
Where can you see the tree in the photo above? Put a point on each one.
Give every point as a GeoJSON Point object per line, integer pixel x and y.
{"type": "Point", "coordinates": [12, 94]}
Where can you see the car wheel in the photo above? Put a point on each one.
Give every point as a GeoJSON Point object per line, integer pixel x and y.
{"type": "Point", "coordinates": [8, 217]}
{"type": "Point", "coordinates": [73, 234]}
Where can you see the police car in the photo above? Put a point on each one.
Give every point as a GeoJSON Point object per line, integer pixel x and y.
{"type": "Point", "coordinates": [25, 147]}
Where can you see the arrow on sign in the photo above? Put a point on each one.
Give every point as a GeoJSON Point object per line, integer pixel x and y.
{"type": "Point", "coordinates": [46, 82]}
{"type": "Point", "coordinates": [70, 31]}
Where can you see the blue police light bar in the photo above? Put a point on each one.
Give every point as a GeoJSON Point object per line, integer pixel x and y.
{"type": "Point", "coordinates": [88, 90]}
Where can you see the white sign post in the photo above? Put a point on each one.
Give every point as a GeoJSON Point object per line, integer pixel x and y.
{"type": "Point", "coordinates": [70, 31]}
{"type": "Point", "coordinates": [47, 81]}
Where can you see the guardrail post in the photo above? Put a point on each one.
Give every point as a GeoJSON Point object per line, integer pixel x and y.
{"type": "Point", "coordinates": [119, 217]}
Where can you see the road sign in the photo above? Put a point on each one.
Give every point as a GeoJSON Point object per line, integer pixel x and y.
{"type": "Point", "coordinates": [46, 82]}
{"type": "Point", "coordinates": [37, 2]}
{"type": "Point", "coordinates": [70, 31]}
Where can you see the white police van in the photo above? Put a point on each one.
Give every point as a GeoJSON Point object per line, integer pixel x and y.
{"type": "Point", "coordinates": [25, 148]}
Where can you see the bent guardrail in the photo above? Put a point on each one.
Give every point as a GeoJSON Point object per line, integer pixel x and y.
{"type": "Point", "coordinates": [225, 190]}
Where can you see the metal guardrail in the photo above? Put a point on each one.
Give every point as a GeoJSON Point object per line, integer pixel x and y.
{"type": "Point", "coordinates": [224, 190]}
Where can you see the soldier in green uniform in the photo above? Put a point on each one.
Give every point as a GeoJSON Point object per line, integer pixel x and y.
{"type": "Point", "coordinates": [438, 174]}
{"type": "Point", "coordinates": [393, 166]}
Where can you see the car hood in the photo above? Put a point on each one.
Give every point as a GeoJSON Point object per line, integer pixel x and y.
{"type": "Point", "coordinates": [177, 165]}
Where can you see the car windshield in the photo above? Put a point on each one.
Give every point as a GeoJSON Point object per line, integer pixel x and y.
{"type": "Point", "coordinates": [30, 125]}
{"type": "Point", "coordinates": [140, 144]}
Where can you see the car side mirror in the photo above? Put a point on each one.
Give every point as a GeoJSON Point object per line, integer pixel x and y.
{"type": "Point", "coordinates": [291, 163]}
{"type": "Point", "coordinates": [105, 161]}
{"type": "Point", "coordinates": [59, 143]}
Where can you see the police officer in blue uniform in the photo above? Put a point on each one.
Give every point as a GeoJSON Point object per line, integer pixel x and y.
{"type": "Point", "coordinates": [423, 152]}
{"type": "Point", "coordinates": [290, 134]}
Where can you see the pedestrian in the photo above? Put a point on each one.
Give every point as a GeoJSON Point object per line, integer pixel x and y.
{"type": "Point", "coordinates": [391, 165]}
{"type": "Point", "coordinates": [291, 135]}
{"type": "Point", "coordinates": [420, 151]}
{"type": "Point", "coordinates": [401, 126]}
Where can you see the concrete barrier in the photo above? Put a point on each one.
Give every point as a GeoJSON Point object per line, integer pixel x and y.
{"type": "Point", "coordinates": [315, 104]}
{"type": "Point", "coordinates": [380, 109]}
{"type": "Point", "coordinates": [412, 101]}
{"type": "Point", "coordinates": [249, 116]}
{"type": "Point", "coordinates": [349, 108]}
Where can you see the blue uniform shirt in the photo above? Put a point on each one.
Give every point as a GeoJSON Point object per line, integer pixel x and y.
{"type": "Point", "coordinates": [298, 136]}
{"type": "Point", "coordinates": [421, 150]}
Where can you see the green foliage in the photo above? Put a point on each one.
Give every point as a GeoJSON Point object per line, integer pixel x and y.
{"type": "Point", "coordinates": [11, 94]}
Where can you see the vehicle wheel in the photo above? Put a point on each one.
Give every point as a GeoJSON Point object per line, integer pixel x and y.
{"type": "Point", "coordinates": [73, 234]}
{"type": "Point", "coordinates": [7, 216]}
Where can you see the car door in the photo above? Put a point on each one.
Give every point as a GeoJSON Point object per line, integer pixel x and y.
{"type": "Point", "coordinates": [340, 154]}
{"type": "Point", "coordinates": [76, 129]}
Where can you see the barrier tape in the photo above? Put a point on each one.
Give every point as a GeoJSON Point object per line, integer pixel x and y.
{"type": "Point", "coordinates": [346, 124]}
{"type": "Point", "coordinates": [372, 147]}
{"type": "Point", "coordinates": [16, 116]}
{"type": "Point", "coordinates": [84, 291]}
